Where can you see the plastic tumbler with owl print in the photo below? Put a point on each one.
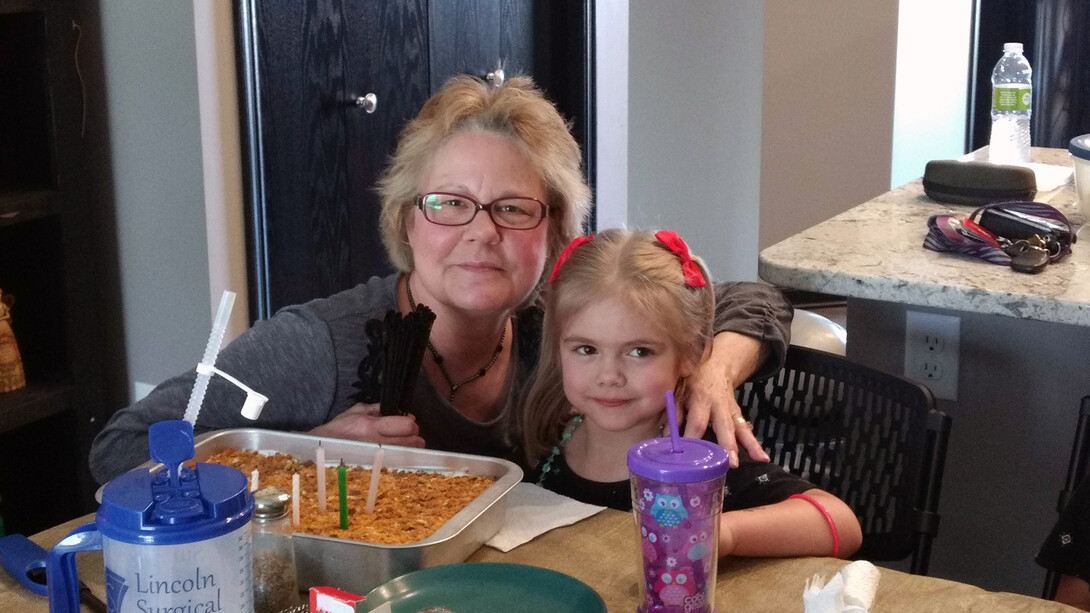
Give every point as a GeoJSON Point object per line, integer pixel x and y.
{"type": "Point", "coordinates": [677, 496]}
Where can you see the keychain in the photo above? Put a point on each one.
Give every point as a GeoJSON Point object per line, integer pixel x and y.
{"type": "Point", "coordinates": [1026, 236]}
{"type": "Point", "coordinates": [1029, 255]}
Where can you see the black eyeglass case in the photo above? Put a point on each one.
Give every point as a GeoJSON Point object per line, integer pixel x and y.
{"type": "Point", "coordinates": [977, 183]}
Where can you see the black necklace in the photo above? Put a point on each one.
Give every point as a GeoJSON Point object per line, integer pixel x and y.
{"type": "Point", "coordinates": [454, 387]}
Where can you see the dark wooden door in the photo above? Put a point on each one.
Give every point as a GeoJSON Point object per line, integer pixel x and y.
{"type": "Point", "coordinates": [311, 155]}
{"type": "Point", "coordinates": [474, 36]}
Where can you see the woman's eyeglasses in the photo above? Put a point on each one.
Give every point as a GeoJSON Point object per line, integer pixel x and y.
{"type": "Point", "coordinates": [514, 213]}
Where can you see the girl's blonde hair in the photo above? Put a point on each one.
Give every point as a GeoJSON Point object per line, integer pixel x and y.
{"type": "Point", "coordinates": [632, 266]}
{"type": "Point", "coordinates": [516, 110]}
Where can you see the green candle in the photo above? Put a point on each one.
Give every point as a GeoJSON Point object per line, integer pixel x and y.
{"type": "Point", "coordinates": [342, 490]}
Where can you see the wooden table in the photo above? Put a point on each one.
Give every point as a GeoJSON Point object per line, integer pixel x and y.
{"type": "Point", "coordinates": [601, 552]}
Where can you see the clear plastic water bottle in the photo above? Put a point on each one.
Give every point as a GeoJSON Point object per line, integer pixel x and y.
{"type": "Point", "coordinates": [1012, 90]}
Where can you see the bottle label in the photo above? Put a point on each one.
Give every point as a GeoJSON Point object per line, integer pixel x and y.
{"type": "Point", "coordinates": [211, 576]}
{"type": "Point", "coordinates": [1011, 97]}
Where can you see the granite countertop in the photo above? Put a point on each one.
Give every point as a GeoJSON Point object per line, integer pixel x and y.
{"type": "Point", "coordinates": [875, 251]}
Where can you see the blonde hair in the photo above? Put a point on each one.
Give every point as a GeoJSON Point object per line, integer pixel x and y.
{"type": "Point", "coordinates": [632, 266]}
{"type": "Point", "coordinates": [516, 110]}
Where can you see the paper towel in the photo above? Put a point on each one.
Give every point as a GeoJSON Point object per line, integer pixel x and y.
{"type": "Point", "coordinates": [533, 510]}
{"type": "Point", "coordinates": [852, 590]}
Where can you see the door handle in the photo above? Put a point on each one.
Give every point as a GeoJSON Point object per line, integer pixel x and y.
{"type": "Point", "coordinates": [367, 102]}
{"type": "Point", "coordinates": [495, 78]}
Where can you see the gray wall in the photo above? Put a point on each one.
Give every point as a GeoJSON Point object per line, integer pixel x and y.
{"type": "Point", "coordinates": [751, 121]}
{"type": "Point", "coordinates": [151, 81]}
{"type": "Point", "coordinates": [695, 126]}
{"type": "Point", "coordinates": [1019, 388]}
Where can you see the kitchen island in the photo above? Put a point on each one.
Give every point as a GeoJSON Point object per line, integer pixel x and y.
{"type": "Point", "coordinates": [1023, 363]}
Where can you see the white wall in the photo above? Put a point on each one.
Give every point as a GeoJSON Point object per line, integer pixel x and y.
{"type": "Point", "coordinates": [932, 83]}
{"type": "Point", "coordinates": [221, 159]}
{"type": "Point", "coordinates": [694, 126]}
{"type": "Point", "coordinates": [611, 57]}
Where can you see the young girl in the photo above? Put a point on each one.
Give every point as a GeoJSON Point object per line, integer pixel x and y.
{"type": "Point", "coordinates": [628, 316]}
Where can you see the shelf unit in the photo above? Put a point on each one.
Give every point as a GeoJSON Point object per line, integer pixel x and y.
{"type": "Point", "coordinates": [18, 207]}
{"type": "Point", "coordinates": [32, 403]}
{"type": "Point", "coordinates": [48, 258]}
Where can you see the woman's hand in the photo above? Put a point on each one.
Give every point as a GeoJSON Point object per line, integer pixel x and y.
{"type": "Point", "coordinates": [734, 358]}
{"type": "Point", "coordinates": [362, 422]}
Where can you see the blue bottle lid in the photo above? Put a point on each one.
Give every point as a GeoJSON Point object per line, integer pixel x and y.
{"type": "Point", "coordinates": [175, 504]}
{"type": "Point", "coordinates": [1080, 147]}
{"type": "Point", "coordinates": [697, 460]}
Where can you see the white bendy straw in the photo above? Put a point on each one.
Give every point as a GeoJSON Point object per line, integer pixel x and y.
{"type": "Point", "coordinates": [210, 351]}
{"type": "Point", "coordinates": [295, 499]}
{"type": "Point", "coordinates": [319, 463]}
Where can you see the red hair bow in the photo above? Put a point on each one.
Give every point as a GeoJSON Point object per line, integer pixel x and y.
{"type": "Point", "coordinates": [689, 268]}
{"type": "Point", "coordinates": [579, 240]}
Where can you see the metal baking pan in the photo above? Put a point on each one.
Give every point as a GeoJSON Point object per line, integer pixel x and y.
{"type": "Point", "coordinates": [358, 567]}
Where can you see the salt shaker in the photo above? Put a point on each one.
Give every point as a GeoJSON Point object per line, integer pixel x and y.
{"type": "Point", "coordinates": [275, 584]}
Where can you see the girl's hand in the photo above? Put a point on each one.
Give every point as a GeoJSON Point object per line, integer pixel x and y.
{"type": "Point", "coordinates": [734, 357]}
{"type": "Point", "coordinates": [362, 422]}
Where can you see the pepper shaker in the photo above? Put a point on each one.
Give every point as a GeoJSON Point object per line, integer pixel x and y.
{"type": "Point", "coordinates": [275, 583]}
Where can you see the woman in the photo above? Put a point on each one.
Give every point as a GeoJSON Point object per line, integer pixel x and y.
{"type": "Point", "coordinates": [484, 189]}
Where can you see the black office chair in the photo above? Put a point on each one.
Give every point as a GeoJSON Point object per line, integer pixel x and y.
{"type": "Point", "coordinates": [871, 438]}
{"type": "Point", "coordinates": [1077, 468]}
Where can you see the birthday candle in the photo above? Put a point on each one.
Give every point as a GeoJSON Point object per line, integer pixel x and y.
{"type": "Point", "coordinates": [295, 499]}
{"type": "Point", "coordinates": [372, 490]}
{"type": "Point", "coordinates": [342, 491]}
{"type": "Point", "coordinates": [253, 480]}
{"type": "Point", "coordinates": [319, 460]}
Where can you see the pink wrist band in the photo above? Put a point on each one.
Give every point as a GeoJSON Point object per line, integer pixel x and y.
{"type": "Point", "coordinates": [828, 519]}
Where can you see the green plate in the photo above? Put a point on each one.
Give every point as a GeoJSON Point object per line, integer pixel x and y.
{"type": "Point", "coordinates": [485, 586]}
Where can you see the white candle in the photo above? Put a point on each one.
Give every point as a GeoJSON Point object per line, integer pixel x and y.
{"type": "Point", "coordinates": [372, 490]}
{"type": "Point", "coordinates": [253, 480]}
{"type": "Point", "coordinates": [319, 461]}
{"type": "Point", "coordinates": [295, 499]}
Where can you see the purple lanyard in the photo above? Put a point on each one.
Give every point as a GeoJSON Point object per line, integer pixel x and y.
{"type": "Point", "coordinates": [963, 235]}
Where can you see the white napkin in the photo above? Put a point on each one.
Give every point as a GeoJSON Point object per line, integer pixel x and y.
{"type": "Point", "coordinates": [533, 510]}
{"type": "Point", "coordinates": [1049, 176]}
{"type": "Point", "coordinates": [851, 590]}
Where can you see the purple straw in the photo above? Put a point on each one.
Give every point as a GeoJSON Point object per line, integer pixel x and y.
{"type": "Point", "coordinates": [671, 416]}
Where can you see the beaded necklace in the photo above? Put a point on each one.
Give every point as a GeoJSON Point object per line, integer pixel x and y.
{"type": "Point", "coordinates": [547, 467]}
{"type": "Point", "coordinates": [439, 359]}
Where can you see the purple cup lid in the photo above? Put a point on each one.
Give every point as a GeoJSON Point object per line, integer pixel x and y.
{"type": "Point", "coordinates": [698, 460]}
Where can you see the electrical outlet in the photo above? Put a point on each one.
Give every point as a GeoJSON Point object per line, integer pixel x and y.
{"type": "Point", "coordinates": [931, 352]}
